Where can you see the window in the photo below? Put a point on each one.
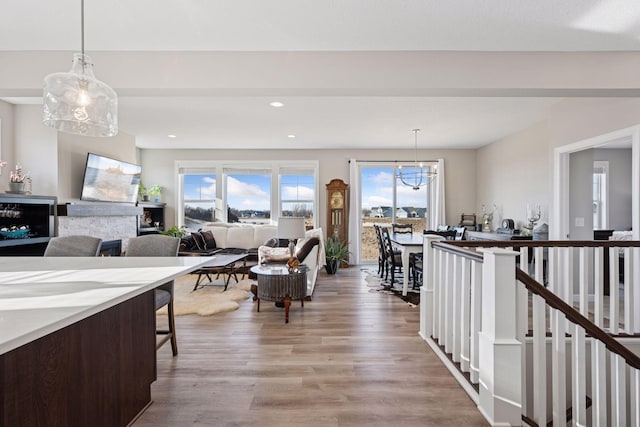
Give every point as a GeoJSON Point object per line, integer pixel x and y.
{"type": "Point", "coordinates": [198, 198]}
{"type": "Point", "coordinates": [297, 194]}
{"type": "Point", "coordinates": [248, 195]}
{"type": "Point", "coordinates": [251, 192]}
{"type": "Point", "coordinates": [600, 191]}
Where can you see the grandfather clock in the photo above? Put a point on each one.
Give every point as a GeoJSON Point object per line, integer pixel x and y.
{"type": "Point", "coordinates": [337, 213]}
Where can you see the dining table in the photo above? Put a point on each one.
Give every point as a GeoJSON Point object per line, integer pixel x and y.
{"type": "Point", "coordinates": [77, 337]}
{"type": "Point", "coordinates": [407, 243]}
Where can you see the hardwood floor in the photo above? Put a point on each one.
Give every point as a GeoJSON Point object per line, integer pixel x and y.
{"type": "Point", "coordinates": [349, 358]}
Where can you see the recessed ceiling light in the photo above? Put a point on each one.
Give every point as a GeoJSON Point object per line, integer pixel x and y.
{"type": "Point", "coordinates": [276, 104]}
{"type": "Point", "coordinates": [291, 136]}
{"type": "Point", "coordinates": [171, 136]}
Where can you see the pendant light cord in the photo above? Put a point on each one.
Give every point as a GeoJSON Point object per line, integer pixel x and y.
{"type": "Point", "coordinates": [82, 27]}
{"type": "Point", "coordinates": [415, 132]}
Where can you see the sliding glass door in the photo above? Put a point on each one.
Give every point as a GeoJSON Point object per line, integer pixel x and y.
{"type": "Point", "coordinates": [384, 200]}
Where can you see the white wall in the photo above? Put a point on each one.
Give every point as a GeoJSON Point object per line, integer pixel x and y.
{"type": "Point", "coordinates": [619, 186]}
{"type": "Point", "coordinates": [6, 142]}
{"type": "Point", "coordinates": [72, 158]}
{"type": "Point", "coordinates": [519, 169]}
{"type": "Point", "coordinates": [514, 172]}
{"type": "Point", "coordinates": [158, 168]}
{"type": "Point", "coordinates": [36, 149]}
{"type": "Point", "coordinates": [581, 195]}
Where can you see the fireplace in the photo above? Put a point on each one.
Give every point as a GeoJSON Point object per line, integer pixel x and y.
{"type": "Point", "coordinates": [111, 248]}
{"type": "Point", "coordinates": [108, 221]}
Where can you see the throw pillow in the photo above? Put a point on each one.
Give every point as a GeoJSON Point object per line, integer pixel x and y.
{"type": "Point", "coordinates": [197, 237]}
{"type": "Point", "coordinates": [272, 242]}
{"type": "Point", "coordinates": [209, 240]}
{"type": "Point", "coordinates": [306, 248]}
{"type": "Point", "coordinates": [188, 243]}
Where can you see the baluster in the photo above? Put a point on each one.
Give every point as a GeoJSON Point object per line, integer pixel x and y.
{"type": "Point", "coordinates": [628, 291]}
{"type": "Point", "coordinates": [439, 309]}
{"type": "Point", "coordinates": [583, 279]}
{"type": "Point", "coordinates": [614, 299]}
{"type": "Point", "coordinates": [465, 304]}
{"type": "Point", "coordinates": [634, 397]}
{"type": "Point", "coordinates": [566, 287]}
{"type": "Point", "coordinates": [598, 287]}
{"type": "Point", "coordinates": [522, 324]}
{"type": "Point", "coordinates": [476, 318]}
{"type": "Point", "coordinates": [456, 315]}
{"type": "Point", "coordinates": [448, 302]}
{"type": "Point", "coordinates": [558, 368]}
{"type": "Point", "coordinates": [539, 347]}
{"type": "Point", "coordinates": [618, 391]}
{"type": "Point", "coordinates": [598, 384]}
{"type": "Point", "coordinates": [539, 361]}
{"type": "Point", "coordinates": [578, 376]}
{"type": "Point", "coordinates": [634, 303]}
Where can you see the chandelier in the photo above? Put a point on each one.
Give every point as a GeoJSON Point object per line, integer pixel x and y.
{"type": "Point", "coordinates": [76, 102]}
{"type": "Point", "coordinates": [418, 175]}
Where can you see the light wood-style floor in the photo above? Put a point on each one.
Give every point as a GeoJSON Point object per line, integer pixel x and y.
{"type": "Point", "coordinates": [349, 358]}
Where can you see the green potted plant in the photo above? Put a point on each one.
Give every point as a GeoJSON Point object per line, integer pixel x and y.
{"type": "Point", "coordinates": [155, 191]}
{"type": "Point", "coordinates": [175, 231]}
{"type": "Point", "coordinates": [143, 193]}
{"type": "Point", "coordinates": [336, 251]}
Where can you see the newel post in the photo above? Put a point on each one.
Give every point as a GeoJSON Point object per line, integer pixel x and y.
{"type": "Point", "coordinates": [499, 350]}
{"type": "Point", "coordinates": [427, 301]}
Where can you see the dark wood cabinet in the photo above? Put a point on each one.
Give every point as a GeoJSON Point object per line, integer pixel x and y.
{"type": "Point", "coordinates": [152, 218]}
{"type": "Point", "coordinates": [35, 213]}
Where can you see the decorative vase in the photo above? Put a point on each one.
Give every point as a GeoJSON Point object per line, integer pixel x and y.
{"type": "Point", "coordinates": [16, 186]}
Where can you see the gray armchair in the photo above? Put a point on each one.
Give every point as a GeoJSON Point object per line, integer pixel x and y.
{"type": "Point", "coordinates": [159, 245]}
{"type": "Point", "coordinates": [73, 246]}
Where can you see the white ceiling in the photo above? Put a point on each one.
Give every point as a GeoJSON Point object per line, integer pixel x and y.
{"type": "Point", "coordinates": [323, 108]}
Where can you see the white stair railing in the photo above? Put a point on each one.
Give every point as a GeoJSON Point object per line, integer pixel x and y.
{"type": "Point", "coordinates": [521, 359]}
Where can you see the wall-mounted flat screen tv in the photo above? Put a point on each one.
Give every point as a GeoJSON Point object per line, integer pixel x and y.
{"type": "Point", "coordinates": [110, 180]}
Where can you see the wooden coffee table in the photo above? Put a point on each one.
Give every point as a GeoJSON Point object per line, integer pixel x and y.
{"type": "Point", "coordinates": [229, 264]}
{"type": "Point", "coordinates": [275, 283]}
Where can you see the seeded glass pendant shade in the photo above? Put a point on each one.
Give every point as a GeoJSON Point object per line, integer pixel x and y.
{"type": "Point", "coordinates": [76, 102]}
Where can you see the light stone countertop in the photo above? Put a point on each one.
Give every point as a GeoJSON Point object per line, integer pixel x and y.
{"type": "Point", "coordinates": [40, 295]}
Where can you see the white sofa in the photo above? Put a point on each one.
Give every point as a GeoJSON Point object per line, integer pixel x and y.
{"type": "Point", "coordinates": [249, 236]}
{"type": "Point", "coordinates": [240, 236]}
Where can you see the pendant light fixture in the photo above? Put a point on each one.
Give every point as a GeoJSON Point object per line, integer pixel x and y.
{"type": "Point", "coordinates": [418, 176]}
{"type": "Point", "coordinates": [76, 102]}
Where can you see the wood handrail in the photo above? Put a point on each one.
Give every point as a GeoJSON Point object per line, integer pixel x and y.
{"type": "Point", "coordinates": [574, 316]}
{"type": "Point", "coordinates": [544, 243]}
{"type": "Point", "coordinates": [445, 246]}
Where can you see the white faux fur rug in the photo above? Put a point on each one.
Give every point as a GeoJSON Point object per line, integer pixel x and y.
{"type": "Point", "coordinates": [208, 300]}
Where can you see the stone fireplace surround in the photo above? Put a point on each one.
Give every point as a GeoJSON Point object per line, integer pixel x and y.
{"type": "Point", "coordinates": [108, 221]}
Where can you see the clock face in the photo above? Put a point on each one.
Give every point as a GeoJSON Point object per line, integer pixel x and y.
{"type": "Point", "coordinates": [337, 202]}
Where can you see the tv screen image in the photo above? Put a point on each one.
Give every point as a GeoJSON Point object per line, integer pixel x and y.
{"type": "Point", "coordinates": [110, 180]}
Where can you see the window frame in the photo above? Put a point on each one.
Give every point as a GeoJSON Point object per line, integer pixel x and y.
{"type": "Point", "coordinates": [225, 167]}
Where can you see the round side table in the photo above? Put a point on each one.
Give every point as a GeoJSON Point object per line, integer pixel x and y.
{"type": "Point", "coordinates": [275, 283]}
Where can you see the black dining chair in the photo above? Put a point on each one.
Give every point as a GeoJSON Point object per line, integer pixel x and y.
{"type": "Point", "coordinates": [415, 267]}
{"type": "Point", "coordinates": [381, 260]}
{"type": "Point", "coordinates": [393, 258]}
{"type": "Point", "coordinates": [402, 228]}
{"type": "Point", "coordinates": [166, 246]}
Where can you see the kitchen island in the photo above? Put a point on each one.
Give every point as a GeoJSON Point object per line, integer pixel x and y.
{"type": "Point", "coordinates": [77, 337]}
